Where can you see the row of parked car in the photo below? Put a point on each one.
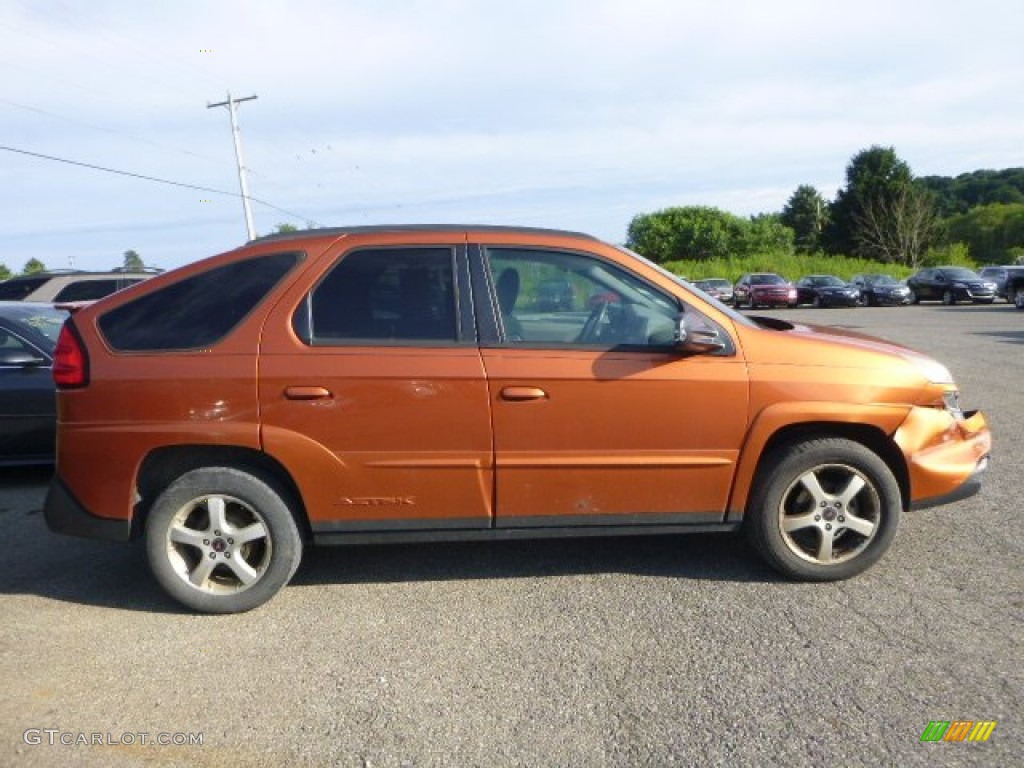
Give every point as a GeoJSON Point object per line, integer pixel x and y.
{"type": "Point", "coordinates": [950, 285]}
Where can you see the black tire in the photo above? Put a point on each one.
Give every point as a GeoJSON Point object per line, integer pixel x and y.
{"type": "Point", "coordinates": [948, 298]}
{"type": "Point", "coordinates": [1018, 297]}
{"type": "Point", "coordinates": [194, 555]}
{"type": "Point", "coordinates": [816, 302]}
{"type": "Point", "coordinates": [799, 529]}
{"type": "Point", "coordinates": [914, 298]}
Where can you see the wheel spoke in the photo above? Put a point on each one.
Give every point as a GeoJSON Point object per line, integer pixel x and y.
{"type": "Point", "coordinates": [245, 573]}
{"type": "Point", "coordinates": [810, 482]}
{"type": "Point", "coordinates": [852, 489]}
{"type": "Point", "coordinates": [859, 524]}
{"type": "Point", "coordinates": [250, 533]}
{"type": "Point", "coordinates": [202, 572]}
{"type": "Point", "coordinates": [797, 522]}
{"type": "Point", "coordinates": [217, 508]}
{"type": "Point", "coordinates": [825, 547]}
{"type": "Point", "coordinates": [188, 536]}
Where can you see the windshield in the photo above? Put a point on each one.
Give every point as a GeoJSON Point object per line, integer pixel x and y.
{"type": "Point", "coordinates": [960, 274]}
{"type": "Point", "coordinates": [766, 280]}
{"type": "Point", "coordinates": [826, 280]}
{"type": "Point", "coordinates": [881, 280]}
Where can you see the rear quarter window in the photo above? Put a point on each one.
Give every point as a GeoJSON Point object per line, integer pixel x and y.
{"type": "Point", "coordinates": [198, 311]}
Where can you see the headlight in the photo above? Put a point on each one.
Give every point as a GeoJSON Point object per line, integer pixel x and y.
{"type": "Point", "coordinates": [932, 370]}
{"type": "Point", "coordinates": [951, 399]}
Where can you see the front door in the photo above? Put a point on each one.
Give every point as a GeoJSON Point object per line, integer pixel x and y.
{"type": "Point", "coordinates": [598, 418]}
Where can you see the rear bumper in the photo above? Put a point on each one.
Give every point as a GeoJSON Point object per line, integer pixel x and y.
{"type": "Point", "coordinates": [65, 514]}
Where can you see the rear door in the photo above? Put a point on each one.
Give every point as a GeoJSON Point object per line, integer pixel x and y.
{"type": "Point", "coordinates": [372, 390]}
{"type": "Point", "coordinates": [598, 419]}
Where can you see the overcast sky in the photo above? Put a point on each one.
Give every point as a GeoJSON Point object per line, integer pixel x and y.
{"type": "Point", "coordinates": [576, 114]}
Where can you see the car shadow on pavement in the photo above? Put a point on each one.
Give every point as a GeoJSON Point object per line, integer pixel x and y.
{"type": "Point", "coordinates": [1007, 337]}
{"type": "Point", "coordinates": [34, 561]}
{"type": "Point", "coordinates": [706, 557]}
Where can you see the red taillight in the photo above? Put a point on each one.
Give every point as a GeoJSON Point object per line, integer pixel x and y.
{"type": "Point", "coordinates": [70, 361]}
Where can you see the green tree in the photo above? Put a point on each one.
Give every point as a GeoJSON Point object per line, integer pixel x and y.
{"type": "Point", "coordinates": [701, 233]}
{"type": "Point", "coordinates": [806, 213]}
{"type": "Point", "coordinates": [874, 178]}
{"type": "Point", "coordinates": [5, 273]}
{"type": "Point", "coordinates": [32, 266]}
{"type": "Point", "coordinates": [281, 228]}
{"type": "Point", "coordinates": [133, 262]}
{"type": "Point", "coordinates": [991, 232]}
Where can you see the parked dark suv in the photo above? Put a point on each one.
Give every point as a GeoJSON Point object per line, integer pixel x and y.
{"type": "Point", "coordinates": [1015, 286]}
{"type": "Point", "coordinates": [950, 285]}
{"type": "Point", "coordinates": [65, 286]}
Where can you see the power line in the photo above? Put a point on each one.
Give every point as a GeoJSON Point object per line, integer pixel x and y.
{"type": "Point", "coordinates": [149, 178]}
{"type": "Point", "coordinates": [111, 131]}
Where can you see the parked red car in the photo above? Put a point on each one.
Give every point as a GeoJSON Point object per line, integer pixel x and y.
{"type": "Point", "coordinates": [764, 289]}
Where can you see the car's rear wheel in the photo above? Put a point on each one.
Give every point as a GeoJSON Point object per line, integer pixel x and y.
{"type": "Point", "coordinates": [816, 302]}
{"type": "Point", "coordinates": [221, 540]}
{"type": "Point", "coordinates": [1018, 297]}
{"type": "Point", "coordinates": [824, 509]}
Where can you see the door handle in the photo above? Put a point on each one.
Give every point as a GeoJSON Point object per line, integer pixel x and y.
{"type": "Point", "coordinates": [518, 394]}
{"type": "Point", "coordinates": [307, 393]}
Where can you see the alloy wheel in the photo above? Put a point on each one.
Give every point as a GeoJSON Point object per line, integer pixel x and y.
{"type": "Point", "coordinates": [829, 514]}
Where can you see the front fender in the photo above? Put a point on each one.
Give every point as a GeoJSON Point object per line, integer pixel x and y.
{"type": "Point", "coordinates": [802, 415]}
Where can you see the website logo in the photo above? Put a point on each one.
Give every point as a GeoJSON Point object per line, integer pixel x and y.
{"type": "Point", "coordinates": [958, 730]}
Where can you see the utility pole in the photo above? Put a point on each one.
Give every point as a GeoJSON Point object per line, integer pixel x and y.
{"type": "Point", "coordinates": [242, 183]}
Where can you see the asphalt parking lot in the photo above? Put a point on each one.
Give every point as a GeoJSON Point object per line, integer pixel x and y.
{"type": "Point", "coordinates": [678, 650]}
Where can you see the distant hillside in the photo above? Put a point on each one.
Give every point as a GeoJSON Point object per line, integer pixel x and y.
{"type": "Point", "coordinates": [968, 190]}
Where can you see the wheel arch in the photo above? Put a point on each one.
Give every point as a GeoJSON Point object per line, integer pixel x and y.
{"type": "Point", "coordinates": [164, 465]}
{"type": "Point", "coordinates": [760, 446]}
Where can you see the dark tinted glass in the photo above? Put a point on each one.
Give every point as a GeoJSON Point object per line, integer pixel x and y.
{"type": "Point", "coordinates": [198, 311]}
{"type": "Point", "coordinates": [86, 290]}
{"type": "Point", "coordinates": [16, 290]}
{"type": "Point", "coordinates": [394, 295]}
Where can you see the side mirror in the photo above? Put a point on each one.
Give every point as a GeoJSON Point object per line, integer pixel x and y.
{"type": "Point", "coordinates": [21, 358]}
{"type": "Point", "coordinates": [698, 335]}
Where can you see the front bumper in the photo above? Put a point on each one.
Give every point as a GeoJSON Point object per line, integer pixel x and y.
{"type": "Point", "coordinates": [946, 456]}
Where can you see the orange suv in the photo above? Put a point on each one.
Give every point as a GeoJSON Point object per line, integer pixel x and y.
{"type": "Point", "coordinates": [357, 385]}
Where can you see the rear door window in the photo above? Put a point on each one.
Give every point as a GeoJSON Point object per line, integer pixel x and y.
{"type": "Point", "coordinates": [198, 311]}
{"type": "Point", "coordinates": [383, 296]}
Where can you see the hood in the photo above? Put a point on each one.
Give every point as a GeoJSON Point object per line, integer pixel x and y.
{"type": "Point", "coordinates": [778, 342]}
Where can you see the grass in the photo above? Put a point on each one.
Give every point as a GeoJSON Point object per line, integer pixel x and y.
{"type": "Point", "coordinates": [791, 266]}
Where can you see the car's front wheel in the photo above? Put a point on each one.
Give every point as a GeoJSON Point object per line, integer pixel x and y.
{"type": "Point", "coordinates": [222, 540]}
{"type": "Point", "coordinates": [824, 509]}
{"type": "Point", "coordinates": [1018, 297]}
{"type": "Point", "coordinates": [948, 298]}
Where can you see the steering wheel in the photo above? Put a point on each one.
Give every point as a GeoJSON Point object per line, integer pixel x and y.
{"type": "Point", "coordinates": [592, 328]}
